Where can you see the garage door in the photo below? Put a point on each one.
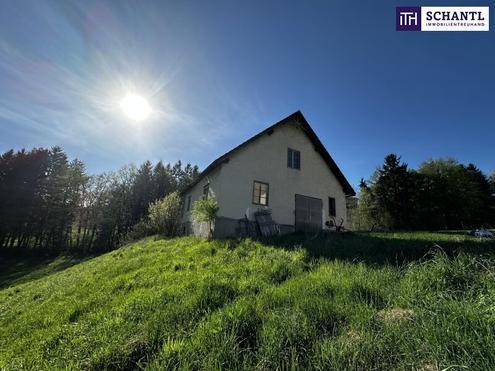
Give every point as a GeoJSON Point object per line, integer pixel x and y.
{"type": "Point", "coordinates": [308, 213]}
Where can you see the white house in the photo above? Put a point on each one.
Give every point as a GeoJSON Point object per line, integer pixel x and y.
{"type": "Point", "coordinates": [284, 168]}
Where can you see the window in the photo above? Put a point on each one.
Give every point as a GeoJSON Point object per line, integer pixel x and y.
{"type": "Point", "coordinates": [293, 159]}
{"type": "Point", "coordinates": [188, 203]}
{"type": "Point", "coordinates": [206, 191]}
{"type": "Point", "coordinates": [260, 193]}
{"type": "Point", "coordinates": [331, 206]}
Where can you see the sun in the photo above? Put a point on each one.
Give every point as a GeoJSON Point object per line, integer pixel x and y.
{"type": "Point", "coordinates": [135, 107]}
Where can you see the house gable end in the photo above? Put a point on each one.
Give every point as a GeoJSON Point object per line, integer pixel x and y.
{"type": "Point", "coordinates": [300, 120]}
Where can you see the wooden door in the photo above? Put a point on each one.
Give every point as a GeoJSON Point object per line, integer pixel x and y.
{"type": "Point", "coordinates": [308, 213]}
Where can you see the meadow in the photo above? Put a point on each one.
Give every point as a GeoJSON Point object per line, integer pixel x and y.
{"type": "Point", "coordinates": [415, 301]}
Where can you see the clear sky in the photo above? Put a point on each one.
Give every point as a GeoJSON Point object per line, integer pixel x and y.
{"type": "Point", "coordinates": [216, 73]}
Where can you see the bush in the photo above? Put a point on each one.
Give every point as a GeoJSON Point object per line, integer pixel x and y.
{"type": "Point", "coordinates": [164, 214]}
{"type": "Point", "coordinates": [205, 210]}
{"type": "Point", "coordinates": [139, 230]}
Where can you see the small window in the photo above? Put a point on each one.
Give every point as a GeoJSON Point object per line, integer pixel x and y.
{"type": "Point", "coordinates": [260, 193]}
{"type": "Point", "coordinates": [189, 203]}
{"type": "Point", "coordinates": [293, 159]}
{"type": "Point", "coordinates": [206, 191]}
{"type": "Point", "coordinates": [331, 206]}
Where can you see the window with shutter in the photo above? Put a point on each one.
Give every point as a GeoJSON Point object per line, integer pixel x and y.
{"type": "Point", "coordinates": [293, 159]}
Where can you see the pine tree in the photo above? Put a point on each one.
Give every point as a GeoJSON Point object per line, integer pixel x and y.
{"type": "Point", "coordinates": [394, 192]}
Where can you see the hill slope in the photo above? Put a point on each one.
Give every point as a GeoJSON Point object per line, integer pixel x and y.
{"type": "Point", "coordinates": [189, 303]}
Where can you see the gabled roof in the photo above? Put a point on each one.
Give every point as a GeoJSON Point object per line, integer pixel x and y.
{"type": "Point", "coordinates": [304, 125]}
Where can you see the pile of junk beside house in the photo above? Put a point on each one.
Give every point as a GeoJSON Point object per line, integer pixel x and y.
{"type": "Point", "coordinates": [258, 222]}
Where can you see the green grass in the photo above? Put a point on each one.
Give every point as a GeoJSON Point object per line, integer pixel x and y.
{"type": "Point", "coordinates": [354, 301]}
{"type": "Point", "coordinates": [15, 269]}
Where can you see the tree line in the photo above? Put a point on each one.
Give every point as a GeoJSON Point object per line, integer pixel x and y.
{"type": "Point", "coordinates": [49, 202]}
{"type": "Point", "coordinates": [440, 194]}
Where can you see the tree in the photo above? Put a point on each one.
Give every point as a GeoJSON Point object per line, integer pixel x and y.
{"type": "Point", "coordinates": [492, 183]}
{"type": "Point", "coordinates": [142, 192]}
{"type": "Point", "coordinates": [22, 175]}
{"type": "Point", "coordinates": [370, 214]}
{"type": "Point", "coordinates": [163, 182]}
{"type": "Point", "coordinates": [40, 192]}
{"type": "Point", "coordinates": [164, 214]}
{"type": "Point", "coordinates": [205, 210]}
{"type": "Point", "coordinates": [49, 202]}
{"type": "Point", "coordinates": [117, 216]}
{"type": "Point", "coordinates": [188, 175]}
{"type": "Point", "coordinates": [441, 194]}
{"type": "Point", "coordinates": [182, 176]}
{"type": "Point", "coordinates": [394, 194]}
{"type": "Point", "coordinates": [480, 205]}
{"type": "Point", "coordinates": [458, 195]}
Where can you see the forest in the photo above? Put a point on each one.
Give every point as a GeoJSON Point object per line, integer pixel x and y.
{"type": "Point", "coordinates": [50, 203]}
{"type": "Point", "coordinates": [442, 194]}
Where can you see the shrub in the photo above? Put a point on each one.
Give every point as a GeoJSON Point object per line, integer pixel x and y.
{"type": "Point", "coordinates": [205, 210]}
{"type": "Point", "coordinates": [164, 214]}
{"type": "Point", "coordinates": [139, 230]}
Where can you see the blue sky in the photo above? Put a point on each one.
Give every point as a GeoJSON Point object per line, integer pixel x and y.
{"type": "Point", "coordinates": [216, 73]}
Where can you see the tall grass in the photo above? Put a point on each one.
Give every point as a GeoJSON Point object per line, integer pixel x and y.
{"type": "Point", "coordinates": [321, 303]}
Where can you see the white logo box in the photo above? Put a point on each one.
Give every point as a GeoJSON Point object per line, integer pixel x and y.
{"type": "Point", "coordinates": [453, 18]}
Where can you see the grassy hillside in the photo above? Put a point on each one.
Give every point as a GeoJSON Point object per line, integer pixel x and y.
{"type": "Point", "coordinates": [341, 302]}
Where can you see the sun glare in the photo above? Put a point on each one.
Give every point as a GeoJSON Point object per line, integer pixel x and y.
{"type": "Point", "coordinates": [135, 107]}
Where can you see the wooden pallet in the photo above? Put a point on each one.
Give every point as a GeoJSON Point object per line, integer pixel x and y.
{"type": "Point", "coordinates": [266, 224]}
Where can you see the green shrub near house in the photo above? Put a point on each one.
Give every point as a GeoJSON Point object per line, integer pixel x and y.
{"type": "Point", "coordinates": [205, 210]}
{"type": "Point", "coordinates": [164, 214]}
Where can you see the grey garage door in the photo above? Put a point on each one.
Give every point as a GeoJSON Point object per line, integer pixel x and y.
{"type": "Point", "coordinates": [308, 213]}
